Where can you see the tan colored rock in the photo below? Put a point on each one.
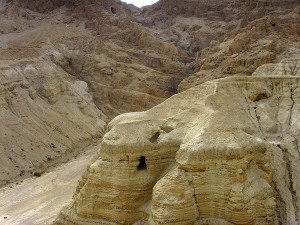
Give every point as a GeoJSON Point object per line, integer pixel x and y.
{"type": "Point", "coordinates": [289, 67]}
{"type": "Point", "coordinates": [66, 69]}
{"type": "Point", "coordinates": [224, 152]}
{"type": "Point", "coordinates": [241, 50]}
{"type": "Point", "coordinates": [173, 192]}
{"type": "Point", "coordinates": [42, 119]}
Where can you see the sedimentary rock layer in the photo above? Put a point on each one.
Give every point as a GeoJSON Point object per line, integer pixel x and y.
{"type": "Point", "coordinates": [45, 113]}
{"type": "Point", "coordinates": [66, 69]}
{"type": "Point", "coordinates": [224, 152]}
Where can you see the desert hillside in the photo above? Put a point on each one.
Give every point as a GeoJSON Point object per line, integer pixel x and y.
{"type": "Point", "coordinates": [212, 136]}
{"type": "Point", "coordinates": [67, 68]}
{"type": "Point", "coordinates": [224, 152]}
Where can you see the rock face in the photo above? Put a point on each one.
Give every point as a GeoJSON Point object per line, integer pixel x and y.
{"type": "Point", "coordinates": [247, 44]}
{"type": "Point", "coordinates": [45, 113]}
{"type": "Point", "coordinates": [40, 6]}
{"type": "Point", "coordinates": [224, 152]}
{"type": "Point", "coordinates": [66, 69]}
{"type": "Point", "coordinates": [127, 59]}
{"type": "Point", "coordinates": [226, 38]}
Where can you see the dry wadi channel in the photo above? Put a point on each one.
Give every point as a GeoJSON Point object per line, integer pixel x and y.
{"type": "Point", "coordinates": [39, 200]}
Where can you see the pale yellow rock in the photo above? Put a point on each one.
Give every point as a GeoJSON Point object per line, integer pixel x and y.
{"type": "Point", "coordinates": [285, 67]}
{"type": "Point", "coordinates": [173, 192]}
{"type": "Point", "coordinates": [225, 152]}
{"type": "Point", "coordinates": [62, 78]}
{"type": "Point", "coordinates": [222, 153]}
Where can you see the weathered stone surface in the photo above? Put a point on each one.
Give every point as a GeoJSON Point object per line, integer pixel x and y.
{"type": "Point", "coordinates": [44, 114]}
{"type": "Point", "coordinates": [66, 69]}
{"type": "Point", "coordinates": [289, 67]}
{"type": "Point", "coordinates": [224, 152]}
{"type": "Point", "coordinates": [40, 6]}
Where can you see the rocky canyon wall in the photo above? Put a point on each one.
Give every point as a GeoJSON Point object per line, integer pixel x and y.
{"type": "Point", "coordinates": [224, 152]}
{"type": "Point", "coordinates": [45, 113]}
{"type": "Point", "coordinates": [229, 38]}
{"type": "Point", "coordinates": [67, 68]}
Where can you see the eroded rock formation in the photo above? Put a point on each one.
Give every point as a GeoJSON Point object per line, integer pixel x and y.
{"type": "Point", "coordinates": [66, 69]}
{"type": "Point", "coordinates": [224, 152]}
{"type": "Point", "coordinates": [45, 113]}
{"type": "Point", "coordinates": [226, 38]}
{"type": "Point", "coordinates": [247, 43]}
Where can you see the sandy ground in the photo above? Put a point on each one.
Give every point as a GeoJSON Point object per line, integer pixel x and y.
{"type": "Point", "coordinates": [39, 200]}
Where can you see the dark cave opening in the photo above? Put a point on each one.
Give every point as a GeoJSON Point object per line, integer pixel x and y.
{"type": "Point", "coordinates": [142, 165]}
{"type": "Point", "coordinates": [113, 10]}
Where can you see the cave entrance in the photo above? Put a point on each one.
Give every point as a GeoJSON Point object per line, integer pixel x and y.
{"type": "Point", "coordinates": [142, 165]}
{"type": "Point", "coordinates": [113, 10]}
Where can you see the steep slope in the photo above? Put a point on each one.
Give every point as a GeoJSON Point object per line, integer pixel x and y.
{"type": "Point", "coordinates": [43, 118]}
{"type": "Point", "coordinates": [224, 152]}
{"type": "Point", "coordinates": [123, 59]}
{"type": "Point", "coordinates": [67, 68]}
{"type": "Point", "coordinates": [226, 38]}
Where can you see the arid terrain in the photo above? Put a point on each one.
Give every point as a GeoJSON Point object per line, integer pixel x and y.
{"type": "Point", "coordinates": [39, 200]}
{"type": "Point", "coordinates": [218, 84]}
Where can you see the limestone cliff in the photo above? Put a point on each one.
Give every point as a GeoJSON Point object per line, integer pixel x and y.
{"type": "Point", "coordinates": [66, 69]}
{"type": "Point", "coordinates": [226, 38]}
{"type": "Point", "coordinates": [224, 152]}
{"type": "Point", "coordinates": [252, 38]}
